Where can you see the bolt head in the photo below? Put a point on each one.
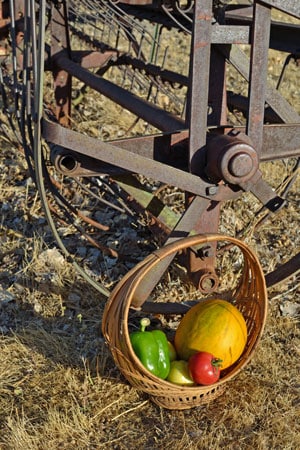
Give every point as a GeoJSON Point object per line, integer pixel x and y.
{"type": "Point", "coordinates": [240, 165]}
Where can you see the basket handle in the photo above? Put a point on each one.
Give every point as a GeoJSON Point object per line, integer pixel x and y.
{"type": "Point", "coordinates": [163, 257]}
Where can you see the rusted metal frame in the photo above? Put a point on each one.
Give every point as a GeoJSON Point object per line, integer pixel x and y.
{"type": "Point", "coordinates": [202, 270]}
{"type": "Point", "coordinates": [220, 34]}
{"type": "Point", "coordinates": [279, 142]}
{"type": "Point", "coordinates": [188, 222]}
{"type": "Point", "coordinates": [165, 17]}
{"type": "Point", "coordinates": [258, 73]}
{"type": "Point", "coordinates": [217, 97]}
{"type": "Point", "coordinates": [264, 192]}
{"type": "Point", "coordinates": [201, 266]}
{"type": "Point", "coordinates": [73, 164]}
{"type": "Point", "coordinates": [240, 103]}
{"type": "Point", "coordinates": [131, 162]}
{"type": "Point", "coordinates": [143, 109]}
{"type": "Point", "coordinates": [284, 37]}
{"type": "Point", "coordinates": [156, 147]}
{"type": "Point", "coordinates": [201, 85]}
{"type": "Point", "coordinates": [199, 77]}
{"type": "Point", "coordinates": [291, 7]}
{"type": "Point", "coordinates": [233, 159]}
{"type": "Point", "coordinates": [273, 98]}
{"type": "Point", "coordinates": [230, 34]}
{"type": "Point", "coordinates": [62, 79]}
{"type": "Point", "coordinates": [261, 189]}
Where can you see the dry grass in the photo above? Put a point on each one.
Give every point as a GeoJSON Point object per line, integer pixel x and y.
{"type": "Point", "coordinates": [51, 394]}
{"type": "Point", "coordinates": [59, 387]}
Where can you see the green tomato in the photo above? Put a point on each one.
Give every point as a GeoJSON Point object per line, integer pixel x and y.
{"type": "Point", "coordinates": [172, 351]}
{"type": "Point", "coordinates": [179, 374]}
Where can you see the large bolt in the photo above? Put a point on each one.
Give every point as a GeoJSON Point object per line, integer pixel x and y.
{"type": "Point", "coordinates": [240, 165]}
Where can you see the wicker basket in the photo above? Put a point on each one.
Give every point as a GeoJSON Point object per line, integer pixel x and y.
{"type": "Point", "coordinates": [249, 296]}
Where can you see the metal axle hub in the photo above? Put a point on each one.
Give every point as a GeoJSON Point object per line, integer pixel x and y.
{"type": "Point", "coordinates": [231, 159]}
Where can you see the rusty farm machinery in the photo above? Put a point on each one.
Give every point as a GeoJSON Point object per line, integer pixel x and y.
{"type": "Point", "coordinates": [192, 133]}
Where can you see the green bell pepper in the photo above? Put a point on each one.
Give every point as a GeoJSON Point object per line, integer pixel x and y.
{"type": "Point", "coordinates": [151, 347]}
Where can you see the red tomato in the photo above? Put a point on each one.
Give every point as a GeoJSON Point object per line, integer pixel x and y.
{"type": "Point", "coordinates": [204, 368]}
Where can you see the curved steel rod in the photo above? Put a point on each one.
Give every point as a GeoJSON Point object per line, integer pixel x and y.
{"type": "Point", "coordinates": [38, 158]}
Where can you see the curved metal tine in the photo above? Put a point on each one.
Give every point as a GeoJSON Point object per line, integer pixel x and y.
{"type": "Point", "coordinates": [117, 19]}
{"type": "Point", "coordinates": [97, 197]}
{"type": "Point", "coordinates": [115, 194]}
{"type": "Point", "coordinates": [113, 24]}
{"type": "Point", "coordinates": [177, 22]}
{"type": "Point", "coordinates": [131, 24]}
{"type": "Point", "coordinates": [185, 10]}
{"type": "Point", "coordinates": [54, 187]}
{"type": "Point", "coordinates": [137, 36]}
{"type": "Point", "coordinates": [14, 53]}
{"type": "Point", "coordinates": [38, 156]}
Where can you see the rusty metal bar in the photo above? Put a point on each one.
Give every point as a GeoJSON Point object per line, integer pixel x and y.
{"type": "Point", "coordinates": [217, 97]}
{"type": "Point", "coordinates": [227, 34]}
{"type": "Point", "coordinates": [284, 36]}
{"type": "Point", "coordinates": [279, 104]}
{"type": "Point", "coordinates": [143, 109]}
{"type": "Point", "coordinates": [199, 76]}
{"type": "Point", "coordinates": [284, 271]}
{"type": "Point", "coordinates": [280, 141]}
{"type": "Point", "coordinates": [134, 163]}
{"type": "Point", "coordinates": [258, 74]}
{"type": "Point", "coordinates": [288, 6]}
{"type": "Point", "coordinates": [62, 78]}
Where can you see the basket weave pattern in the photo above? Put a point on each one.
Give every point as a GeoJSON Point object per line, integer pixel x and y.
{"type": "Point", "coordinates": [250, 298]}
